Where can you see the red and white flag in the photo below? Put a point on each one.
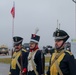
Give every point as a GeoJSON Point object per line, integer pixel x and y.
{"type": "Point", "coordinates": [13, 10]}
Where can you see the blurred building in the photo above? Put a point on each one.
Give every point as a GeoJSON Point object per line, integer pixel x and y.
{"type": "Point", "coordinates": [4, 50]}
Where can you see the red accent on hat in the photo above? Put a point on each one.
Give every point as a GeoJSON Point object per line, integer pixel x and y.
{"type": "Point", "coordinates": [34, 35]}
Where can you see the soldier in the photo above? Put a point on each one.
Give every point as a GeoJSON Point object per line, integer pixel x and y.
{"type": "Point", "coordinates": [34, 57]}
{"type": "Point", "coordinates": [18, 64]}
{"type": "Point", "coordinates": [49, 49]}
{"type": "Point", "coordinates": [62, 61]}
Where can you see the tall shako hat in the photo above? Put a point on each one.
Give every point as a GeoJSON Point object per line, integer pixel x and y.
{"type": "Point", "coordinates": [17, 40]}
{"type": "Point", "coordinates": [35, 38]}
{"type": "Point", "coordinates": [60, 35]}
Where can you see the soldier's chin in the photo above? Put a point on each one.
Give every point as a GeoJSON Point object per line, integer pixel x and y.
{"type": "Point", "coordinates": [16, 50]}
{"type": "Point", "coordinates": [31, 48]}
{"type": "Point", "coordinates": [56, 47]}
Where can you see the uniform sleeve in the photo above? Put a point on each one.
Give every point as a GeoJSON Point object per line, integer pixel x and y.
{"type": "Point", "coordinates": [39, 62]}
{"type": "Point", "coordinates": [25, 60]}
{"type": "Point", "coordinates": [72, 65]}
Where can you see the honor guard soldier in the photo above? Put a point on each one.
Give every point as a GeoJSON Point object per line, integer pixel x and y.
{"type": "Point", "coordinates": [62, 61]}
{"type": "Point", "coordinates": [18, 64]}
{"type": "Point", "coordinates": [34, 57]}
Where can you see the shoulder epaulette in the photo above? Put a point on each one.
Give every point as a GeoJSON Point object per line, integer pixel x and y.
{"type": "Point", "coordinates": [68, 52]}
{"type": "Point", "coordinates": [24, 50]}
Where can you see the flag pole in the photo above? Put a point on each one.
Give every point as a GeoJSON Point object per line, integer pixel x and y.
{"type": "Point", "coordinates": [12, 27]}
{"type": "Point", "coordinates": [12, 36]}
{"type": "Point", "coordinates": [13, 16]}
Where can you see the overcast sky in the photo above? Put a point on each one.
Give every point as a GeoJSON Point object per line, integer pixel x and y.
{"type": "Point", "coordinates": [30, 14]}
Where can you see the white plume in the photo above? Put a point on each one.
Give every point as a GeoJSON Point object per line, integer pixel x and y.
{"type": "Point", "coordinates": [36, 30]}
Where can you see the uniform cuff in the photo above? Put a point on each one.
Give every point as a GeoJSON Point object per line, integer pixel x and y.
{"type": "Point", "coordinates": [24, 70]}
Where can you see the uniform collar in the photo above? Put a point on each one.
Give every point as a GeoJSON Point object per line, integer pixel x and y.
{"type": "Point", "coordinates": [59, 50]}
{"type": "Point", "coordinates": [36, 48]}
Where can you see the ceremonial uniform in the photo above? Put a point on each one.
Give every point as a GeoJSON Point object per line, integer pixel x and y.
{"type": "Point", "coordinates": [62, 61]}
{"type": "Point", "coordinates": [66, 63]}
{"type": "Point", "coordinates": [19, 59]}
{"type": "Point", "coordinates": [34, 57]}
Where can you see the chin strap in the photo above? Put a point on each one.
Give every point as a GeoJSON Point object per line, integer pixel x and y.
{"type": "Point", "coordinates": [60, 46]}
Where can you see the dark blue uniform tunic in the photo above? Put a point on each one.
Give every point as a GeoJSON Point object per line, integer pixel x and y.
{"type": "Point", "coordinates": [67, 65]}
{"type": "Point", "coordinates": [24, 64]}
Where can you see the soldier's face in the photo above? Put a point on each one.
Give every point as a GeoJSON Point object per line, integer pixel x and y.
{"type": "Point", "coordinates": [32, 45]}
{"type": "Point", "coordinates": [58, 43]}
{"type": "Point", "coordinates": [17, 47]}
